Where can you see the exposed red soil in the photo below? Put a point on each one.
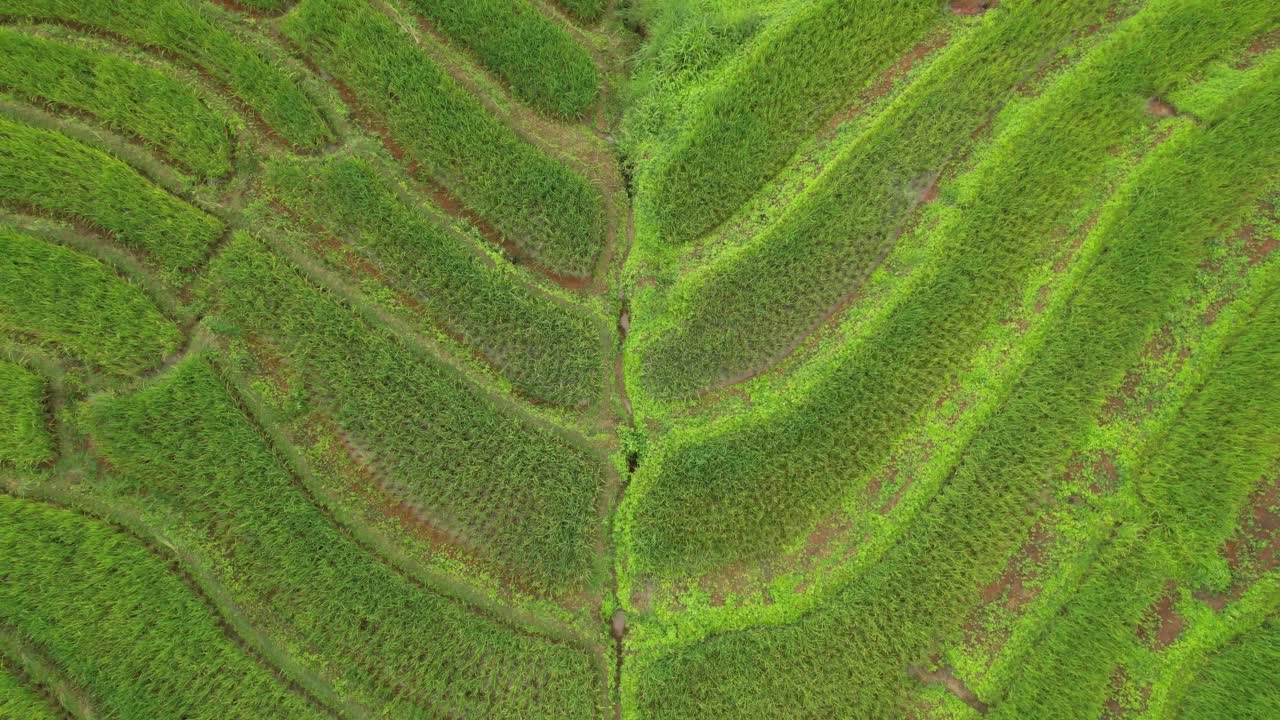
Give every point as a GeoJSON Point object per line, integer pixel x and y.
{"type": "Point", "coordinates": [1262, 45]}
{"type": "Point", "coordinates": [1255, 547]}
{"type": "Point", "coordinates": [1011, 586]}
{"type": "Point", "coordinates": [973, 7]}
{"type": "Point", "coordinates": [1256, 249]}
{"type": "Point", "coordinates": [1160, 108]}
{"type": "Point", "coordinates": [1112, 709]}
{"type": "Point", "coordinates": [1168, 623]}
{"type": "Point", "coordinates": [946, 677]}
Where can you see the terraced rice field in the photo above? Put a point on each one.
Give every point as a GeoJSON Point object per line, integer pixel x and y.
{"type": "Point", "coordinates": [640, 359]}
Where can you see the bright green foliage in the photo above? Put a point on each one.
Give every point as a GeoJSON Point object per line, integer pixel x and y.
{"type": "Point", "coordinates": [848, 659]}
{"type": "Point", "coordinates": [745, 487]}
{"type": "Point", "coordinates": [127, 97]}
{"type": "Point", "coordinates": [24, 434]}
{"type": "Point", "coordinates": [746, 311]}
{"type": "Point", "coordinates": [585, 10]}
{"type": "Point", "coordinates": [537, 59]}
{"type": "Point", "coordinates": [76, 304]}
{"type": "Point", "coordinates": [387, 642]}
{"type": "Point", "coordinates": [1240, 681]}
{"type": "Point", "coordinates": [550, 350]}
{"type": "Point", "coordinates": [521, 494]}
{"type": "Point", "coordinates": [122, 626]}
{"type": "Point", "coordinates": [19, 701]}
{"type": "Point", "coordinates": [186, 29]}
{"type": "Point", "coordinates": [55, 174]}
{"type": "Point", "coordinates": [536, 202]}
{"type": "Point", "coordinates": [798, 76]}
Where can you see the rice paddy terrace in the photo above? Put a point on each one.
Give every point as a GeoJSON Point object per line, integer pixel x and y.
{"type": "Point", "coordinates": [658, 360]}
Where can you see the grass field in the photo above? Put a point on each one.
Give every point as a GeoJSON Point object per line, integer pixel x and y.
{"type": "Point", "coordinates": [647, 360]}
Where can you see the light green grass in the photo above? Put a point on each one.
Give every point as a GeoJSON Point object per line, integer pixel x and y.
{"type": "Point", "coordinates": [535, 58]}
{"type": "Point", "coordinates": [78, 306]}
{"type": "Point", "coordinates": [122, 626]}
{"type": "Point", "coordinates": [20, 701]}
{"type": "Point", "coordinates": [188, 29]}
{"type": "Point", "coordinates": [24, 433]}
{"type": "Point", "coordinates": [1239, 682]}
{"type": "Point", "coordinates": [532, 199]}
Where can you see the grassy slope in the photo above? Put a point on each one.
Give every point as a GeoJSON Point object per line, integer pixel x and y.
{"type": "Point", "coordinates": [552, 351]}
{"type": "Point", "coordinates": [535, 201]}
{"type": "Point", "coordinates": [796, 77]}
{"type": "Point", "coordinates": [744, 311]}
{"type": "Point", "coordinates": [186, 450]}
{"type": "Point", "coordinates": [55, 174]}
{"type": "Point", "coordinates": [17, 700]}
{"type": "Point", "coordinates": [1239, 682]}
{"type": "Point", "coordinates": [126, 96]}
{"type": "Point", "coordinates": [518, 44]}
{"type": "Point", "coordinates": [743, 488]}
{"type": "Point", "coordinates": [77, 305]}
{"type": "Point", "coordinates": [194, 33]}
{"type": "Point", "coordinates": [851, 656]}
{"type": "Point", "coordinates": [521, 495]}
{"type": "Point", "coordinates": [24, 435]}
{"type": "Point", "coordinates": [122, 626]}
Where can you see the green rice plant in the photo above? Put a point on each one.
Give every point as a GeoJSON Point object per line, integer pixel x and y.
{"type": "Point", "coordinates": [114, 618]}
{"type": "Point", "coordinates": [193, 32]}
{"type": "Point", "coordinates": [126, 96]}
{"type": "Point", "coordinates": [1239, 682]}
{"type": "Point", "coordinates": [848, 658]}
{"type": "Point", "coordinates": [183, 449]}
{"type": "Point", "coordinates": [588, 11]}
{"type": "Point", "coordinates": [533, 200]}
{"type": "Point", "coordinates": [18, 700]}
{"type": "Point", "coordinates": [77, 305]}
{"type": "Point", "coordinates": [55, 174]}
{"type": "Point", "coordinates": [519, 493]}
{"type": "Point", "coordinates": [551, 350]}
{"type": "Point", "coordinates": [24, 434]}
{"type": "Point", "coordinates": [797, 75]}
{"type": "Point", "coordinates": [536, 58]}
{"type": "Point", "coordinates": [745, 311]}
{"type": "Point", "coordinates": [743, 488]}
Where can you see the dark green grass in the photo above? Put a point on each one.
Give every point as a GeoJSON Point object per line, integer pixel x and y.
{"type": "Point", "coordinates": [181, 447]}
{"type": "Point", "coordinates": [533, 200]}
{"type": "Point", "coordinates": [849, 658]}
{"type": "Point", "coordinates": [743, 488]}
{"type": "Point", "coordinates": [520, 494]}
{"type": "Point", "coordinates": [193, 32]}
{"type": "Point", "coordinates": [21, 702]}
{"type": "Point", "coordinates": [55, 174]}
{"type": "Point", "coordinates": [1240, 681]}
{"type": "Point", "coordinates": [781, 92]}
{"type": "Point", "coordinates": [126, 96]}
{"type": "Point", "coordinates": [536, 59]}
{"type": "Point", "coordinates": [588, 11]}
{"type": "Point", "coordinates": [77, 305]}
{"type": "Point", "coordinates": [551, 350]}
{"type": "Point", "coordinates": [744, 313]}
{"type": "Point", "coordinates": [24, 433]}
{"type": "Point", "coordinates": [122, 626]}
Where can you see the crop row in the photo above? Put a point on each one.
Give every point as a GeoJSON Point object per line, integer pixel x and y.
{"type": "Point", "coordinates": [848, 658]}
{"type": "Point", "coordinates": [185, 451]}
{"type": "Point", "coordinates": [79, 306]}
{"type": "Point", "coordinates": [518, 44]}
{"type": "Point", "coordinates": [19, 700]}
{"type": "Point", "coordinates": [744, 311]}
{"type": "Point", "coordinates": [126, 96]}
{"type": "Point", "coordinates": [1239, 682]}
{"type": "Point", "coordinates": [711, 496]}
{"type": "Point", "coordinates": [122, 626]}
{"type": "Point", "coordinates": [523, 495]}
{"type": "Point", "coordinates": [24, 434]}
{"type": "Point", "coordinates": [535, 201]}
{"type": "Point", "coordinates": [55, 174]}
{"type": "Point", "coordinates": [550, 350]}
{"type": "Point", "coordinates": [795, 77]}
{"type": "Point", "coordinates": [193, 32]}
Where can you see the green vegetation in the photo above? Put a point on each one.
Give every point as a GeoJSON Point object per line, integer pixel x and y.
{"type": "Point", "coordinates": [24, 435]}
{"type": "Point", "coordinates": [1239, 683]}
{"type": "Point", "coordinates": [126, 96]}
{"type": "Point", "coordinates": [55, 174]}
{"type": "Point", "coordinates": [121, 625]}
{"type": "Point", "coordinates": [77, 305]}
{"type": "Point", "coordinates": [183, 444]}
{"type": "Point", "coordinates": [711, 495]}
{"type": "Point", "coordinates": [744, 312]}
{"type": "Point", "coordinates": [782, 91]}
{"type": "Point", "coordinates": [193, 32]}
{"type": "Point", "coordinates": [587, 11]}
{"type": "Point", "coordinates": [536, 202]}
{"type": "Point", "coordinates": [517, 43]}
{"type": "Point", "coordinates": [17, 700]}
{"type": "Point", "coordinates": [550, 350]}
{"type": "Point", "coordinates": [519, 493]}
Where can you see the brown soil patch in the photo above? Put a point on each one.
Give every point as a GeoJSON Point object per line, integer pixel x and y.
{"type": "Point", "coordinates": [1160, 108]}
{"type": "Point", "coordinates": [1264, 44]}
{"type": "Point", "coordinates": [946, 677]}
{"type": "Point", "coordinates": [1256, 249]}
{"type": "Point", "coordinates": [1011, 586]}
{"type": "Point", "coordinates": [973, 7]}
{"type": "Point", "coordinates": [1258, 539]}
{"type": "Point", "coordinates": [1168, 623]}
{"type": "Point", "coordinates": [1112, 709]}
